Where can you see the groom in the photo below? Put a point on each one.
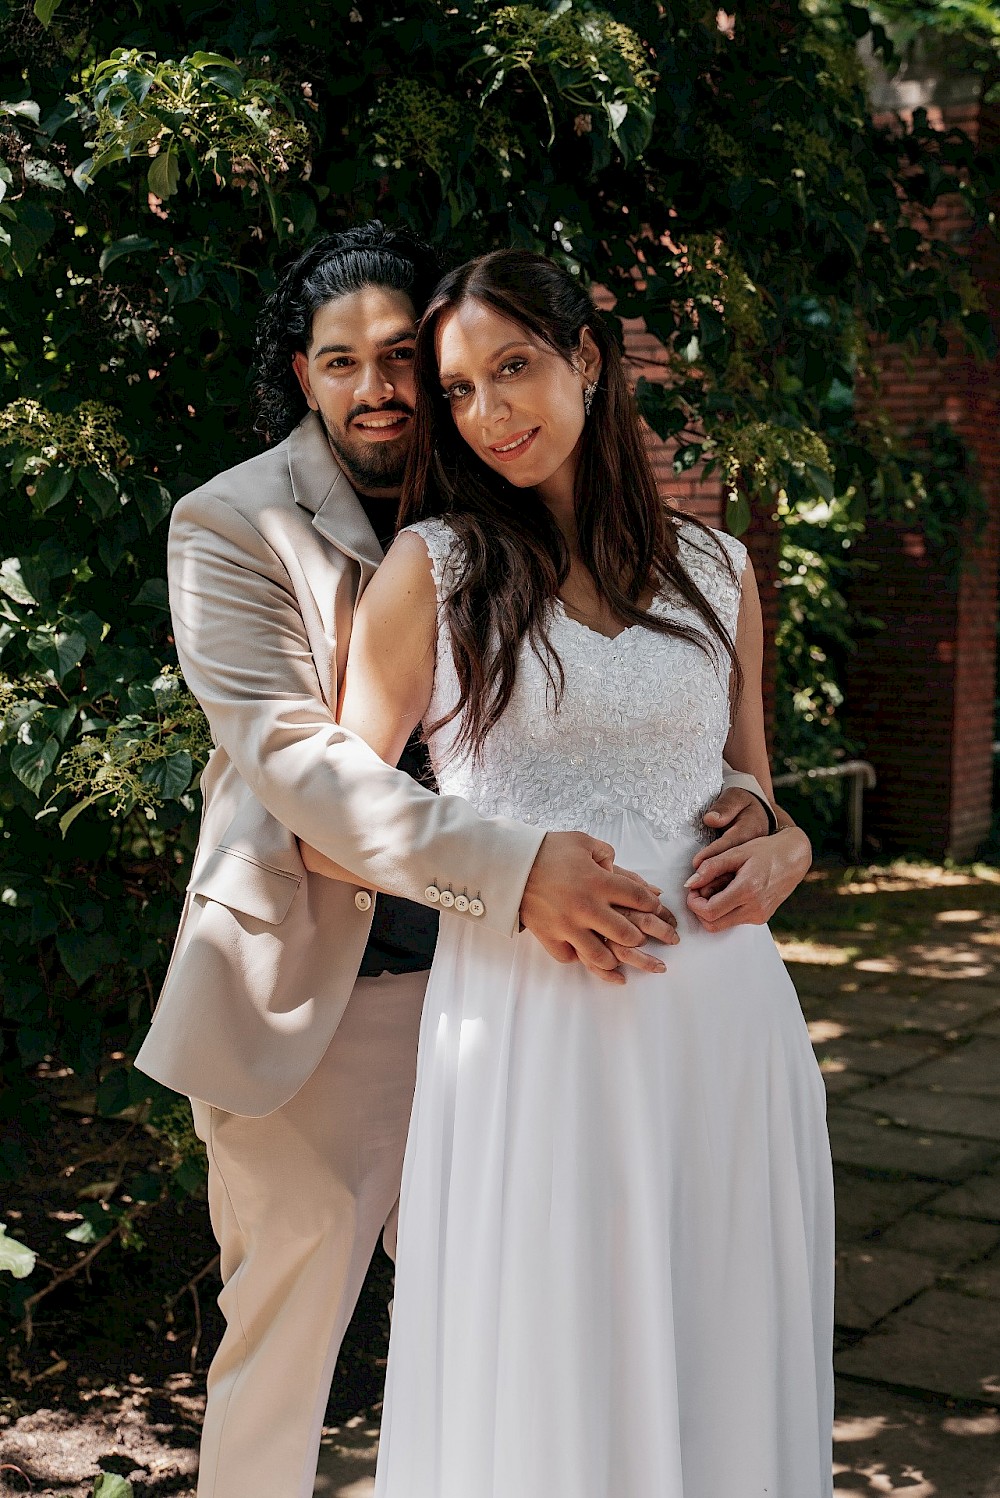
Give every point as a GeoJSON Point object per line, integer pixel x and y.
{"type": "Point", "coordinates": [290, 1009]}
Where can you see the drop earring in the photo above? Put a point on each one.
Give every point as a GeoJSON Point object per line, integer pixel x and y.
{"type": "Point", "coordinates": [589, 391]}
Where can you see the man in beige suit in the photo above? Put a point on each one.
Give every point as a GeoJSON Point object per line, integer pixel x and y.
{"type": "Point", "coordinates": [287, 1016]}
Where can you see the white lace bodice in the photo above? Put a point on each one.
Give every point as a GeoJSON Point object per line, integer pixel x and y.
{"type": "Point", "coordinates": [641, 725]}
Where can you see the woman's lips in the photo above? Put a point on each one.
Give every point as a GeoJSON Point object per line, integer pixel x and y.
{"type": "Point", "coordinates": [506, 452]}
{"type": "Point", "coordinates": [381, 428]}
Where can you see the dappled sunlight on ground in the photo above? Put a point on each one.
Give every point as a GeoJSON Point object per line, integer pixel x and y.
{"type": "Point", "coordinates": [889, 1445]}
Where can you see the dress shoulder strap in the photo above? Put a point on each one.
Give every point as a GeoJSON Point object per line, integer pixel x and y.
{"type": "Point", "coordinates": [716, 563]}
{"type": "Point", "coordinates": [444, 549]}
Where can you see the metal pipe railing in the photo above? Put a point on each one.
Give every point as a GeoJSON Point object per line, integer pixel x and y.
{"type": "Point", "coordinates": [861, 775]}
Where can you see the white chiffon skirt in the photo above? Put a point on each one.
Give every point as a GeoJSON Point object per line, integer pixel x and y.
{"type": "Point", "coordinates": [615, 1262]}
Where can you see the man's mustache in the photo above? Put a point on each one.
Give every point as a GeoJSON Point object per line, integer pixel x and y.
{"type": "Point", "coordinates": [379, 410]}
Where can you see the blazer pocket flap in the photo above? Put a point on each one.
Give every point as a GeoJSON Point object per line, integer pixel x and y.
{"type": "Point", "coordinates": [233, 879]}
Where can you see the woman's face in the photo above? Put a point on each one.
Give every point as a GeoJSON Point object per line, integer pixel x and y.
{"type": "Point", "coordinates": [515, 401]}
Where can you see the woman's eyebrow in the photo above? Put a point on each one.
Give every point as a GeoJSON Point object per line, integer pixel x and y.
{"type": "Point", "coordinates": [515, 343]}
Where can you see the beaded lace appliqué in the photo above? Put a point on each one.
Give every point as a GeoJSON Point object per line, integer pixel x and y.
{"type": "Point", "coordinates": [641, 725]}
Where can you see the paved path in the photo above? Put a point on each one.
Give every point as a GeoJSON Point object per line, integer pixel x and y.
{"type": "Point", "coordinates": [899, 976]}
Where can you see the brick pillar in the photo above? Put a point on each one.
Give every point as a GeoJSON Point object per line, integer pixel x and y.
{"type": "Point", "coordinates": [919, 694]}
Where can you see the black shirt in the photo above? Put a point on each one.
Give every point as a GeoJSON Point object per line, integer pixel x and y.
{"type": "Point", "coordinates": [404, 933]}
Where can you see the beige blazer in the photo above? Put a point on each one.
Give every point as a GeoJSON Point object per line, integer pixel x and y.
{"type": "Point", "coordinates": [266, 564]}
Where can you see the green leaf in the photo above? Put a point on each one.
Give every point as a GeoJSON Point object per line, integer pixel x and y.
{"type": "Point", "coordinates": [113, 1093]}
{"type": "Point", "coordinates": [212, 60]}
{"type": "Point", "coordinates": [51, 487]}
{"type": "Point", "coordinates": [58, 651]}
{"type": "Point", "coordinates": [110, 1485]}
{"type": "Point", "coordinates": [171, 776]}
{"type": "Point", "coordinates": [84, 1232]}
{"type": "Point", "coordinates": [104, 491]}
{"type": "Point", "coordinates": [81, 174]}
{"type": "Point", "coordinates": [45, 10]}
{"type": "Point", "coordinates": [737, 513]}
{"type": "Point", "coordinates": [164, 174]}
{"type": "Point", "coordinates": [153, 595]}
{"type": "Point", "coordinates": [83, 952]}
{"type": "Point", "coordinates": [32, 763]}
{"type": "Point", "coordinates": [13, 583]}
{"type": "Point", "coordinates": [68, 818]}
{"type": "Point", "coordinates": [821, 481]}
{"type": "Point", "coordinates": [44, 173]}
{"type": "Point", "coordinates": [132, 244]}
{"type": "Point", "coordinates": [154, 501]}
{"type": "Point", "coordinates": [16, 1258]}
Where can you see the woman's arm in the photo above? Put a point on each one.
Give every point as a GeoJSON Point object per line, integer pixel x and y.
{"type": "Point", "coordinates": [758, 875]}
{"type": "Point", "coordinates": [390, 665]}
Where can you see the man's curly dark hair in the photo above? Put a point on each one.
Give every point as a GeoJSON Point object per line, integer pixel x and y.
{"type": "Point", "coordinates": [369, 255]}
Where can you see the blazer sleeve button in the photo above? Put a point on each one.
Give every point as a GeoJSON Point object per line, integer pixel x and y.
{"type": "Point", "coordinates": [363, 900]}
{"type": "Point", "coordinates": [461, 903]}
{"type": "Point", "coordinates": [477, 908]}
{"type": "Point", "coordinates": [432, 894]}
{"type": "Point", "coordinates": [447, 899]}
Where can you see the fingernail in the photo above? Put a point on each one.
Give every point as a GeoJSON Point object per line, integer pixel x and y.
{"type": "Point", "coordinates": [692, 879]}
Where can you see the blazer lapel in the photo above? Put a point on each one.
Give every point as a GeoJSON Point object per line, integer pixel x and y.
{"type": "Point", "coordinates": [321, 486]}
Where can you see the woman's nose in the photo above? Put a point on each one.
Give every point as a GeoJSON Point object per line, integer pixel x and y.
{"type": "Point", "coordinates": [492, 408]}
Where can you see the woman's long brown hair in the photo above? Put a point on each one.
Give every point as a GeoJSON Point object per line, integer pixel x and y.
{"type": "Point", "coordinates": [515, 557]}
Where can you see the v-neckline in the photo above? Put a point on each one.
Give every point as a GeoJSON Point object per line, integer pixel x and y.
{"type": "Point", "coordinates": [599, 633]}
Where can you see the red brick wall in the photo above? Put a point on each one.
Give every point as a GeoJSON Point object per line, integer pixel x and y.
{"type": "Point", "coordinates": [920, 695]}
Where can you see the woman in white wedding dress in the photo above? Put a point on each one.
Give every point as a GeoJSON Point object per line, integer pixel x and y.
{"type": "Point", "coordinates": [615, 1259]}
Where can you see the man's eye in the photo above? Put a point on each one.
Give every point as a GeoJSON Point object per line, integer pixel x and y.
{"type": "Point", "coordinates": [401, 355]}
{"type": "Point", "coordinates": [342, 363]}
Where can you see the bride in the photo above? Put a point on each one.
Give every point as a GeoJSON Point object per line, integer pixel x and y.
{"type": "Point", "coordinates": [615, 1258]}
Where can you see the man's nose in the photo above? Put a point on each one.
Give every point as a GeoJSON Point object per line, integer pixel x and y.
{"type": "Point", "coordinates": [373, 386]}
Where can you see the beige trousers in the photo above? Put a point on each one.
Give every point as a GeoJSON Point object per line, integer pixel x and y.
{"type": "Point", "coordinates": [298, 1200]}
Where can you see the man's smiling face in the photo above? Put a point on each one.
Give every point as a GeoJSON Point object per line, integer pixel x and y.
{"type": "Point", "coordinates": [358, 374]}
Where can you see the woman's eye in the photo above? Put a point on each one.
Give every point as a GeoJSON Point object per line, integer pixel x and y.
{"type": "Point", "coordinates": [513, 366]}
{"type": "Point", "coordinates": [457, 392]}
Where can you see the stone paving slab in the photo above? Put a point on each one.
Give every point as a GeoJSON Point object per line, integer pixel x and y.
{"type": "Point", "coordinates": [946, 1342]}
{"type": "Point", "coordinates": [883, 1011]}
{"type": "Point", "coordinates": [969, 1069]}
{"type": "Point", "coordinates": [948, 1241]}
{"type": "Point", "coordinates": [979, 1279]}
{"type": "Point", "coordinates": [857, 1139]}
{"type": "Point", "coordinates": [948, 1113]}
{"type": "Point", "coordinates": [872, 1281]}
{"type": "Point", "coordinates": [865, 1205]}
{"type": "Point", "coordinates": [873, 1057]}
{"type": "Point", "coordinates": [979, 1197]}
{"type": "Point", "coordinates": [886, 1444]}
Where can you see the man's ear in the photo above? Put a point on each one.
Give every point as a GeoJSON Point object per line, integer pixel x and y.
{"type": "Point", "coordinates": [300, 364]}
{"type": "Point", "coordinates": [588, 356]}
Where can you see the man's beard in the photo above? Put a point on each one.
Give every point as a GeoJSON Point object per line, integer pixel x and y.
{"type": "Point", "coordinates": [371, 465]}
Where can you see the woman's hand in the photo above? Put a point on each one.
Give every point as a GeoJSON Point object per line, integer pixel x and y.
{"type": "Point", "coordinates": [743, 886]}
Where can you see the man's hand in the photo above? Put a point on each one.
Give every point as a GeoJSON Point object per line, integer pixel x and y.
{"type": "Point", "coordinates": [580, 906]}
{"type": "Point", "coordinates": [745, 885]}
{"type": "Point", "coordinates": [736, 816]}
